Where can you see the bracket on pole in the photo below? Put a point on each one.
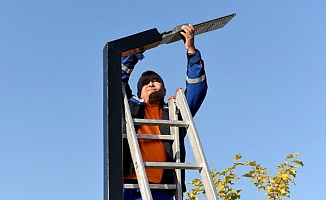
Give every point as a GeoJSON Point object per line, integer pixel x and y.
{"type": "Point", "coordinates": [112, 98]}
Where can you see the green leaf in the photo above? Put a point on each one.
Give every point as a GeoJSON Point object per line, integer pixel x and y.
{"type": "Point", "coordinates": [292, 155]}
{"type": "Point", "coordinates": [252, 163]}
{"type": "Point", "coordinates": [289, 156]}
{"type": "Point", "coordinates": [299, 162]}
{"type": "Point", "coordinates": [249, 175]}
{"type": "Point", "coordinates": [237, 157]}
{"type": "Point", "coordinates": [282, 165]}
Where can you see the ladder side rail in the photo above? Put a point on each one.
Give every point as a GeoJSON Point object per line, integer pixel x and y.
{"type": "Point", "coordinates": [196, 145]}
{"type": "Point", "coordinates": [173, 115]}
{"type": "Point", "coordinates": [135, 151]}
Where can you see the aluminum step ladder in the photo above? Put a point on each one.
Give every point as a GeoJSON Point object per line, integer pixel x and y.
{"type": "Point", "coordinates": [177, 103]}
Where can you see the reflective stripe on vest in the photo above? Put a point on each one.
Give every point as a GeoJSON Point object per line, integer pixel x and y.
{"type": "Point", "coordinates": [126, 69]}
{"type": "Point", "coordinates": [196, 80]}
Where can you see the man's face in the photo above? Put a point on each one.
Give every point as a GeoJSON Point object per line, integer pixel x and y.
{"type": "Point", "coordinates": [153, 90]}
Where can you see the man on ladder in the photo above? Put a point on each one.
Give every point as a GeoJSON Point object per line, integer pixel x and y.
{"type": "Point", "coordinates": [149, 104]}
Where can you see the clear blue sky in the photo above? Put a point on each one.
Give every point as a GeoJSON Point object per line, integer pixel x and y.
{"type": "Point", "coordinates": [267, 88]}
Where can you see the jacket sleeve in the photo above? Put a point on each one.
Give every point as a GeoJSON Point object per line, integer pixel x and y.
{"type": "Point", "coordinates": [127, 65]}
{"type": "Point", "coordinates": [196, 83]}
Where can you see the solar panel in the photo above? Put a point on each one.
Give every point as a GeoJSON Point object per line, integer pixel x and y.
{"type": "Point", "coordinates": [174, 35]}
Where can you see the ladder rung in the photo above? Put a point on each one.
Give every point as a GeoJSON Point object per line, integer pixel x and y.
{"type": "Point", "coordinates": [172, 165]}
{"type": "Point", "coordinates": [152, 186]}
{"type": "Point", "coordinates": [155, 122]}
{"type": "Point", "coordinates": [152, 137]}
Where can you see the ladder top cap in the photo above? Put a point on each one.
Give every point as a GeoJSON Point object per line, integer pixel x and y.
{"type": "Point", "coordinates": [177, 90]}
{"type": "Point", "coordinates": [171, 98]}
{"type": "Point", "coordinates": [175, 93]}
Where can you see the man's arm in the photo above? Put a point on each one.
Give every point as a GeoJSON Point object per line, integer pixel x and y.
{"type": "Point", "coordinates": [188, 37]}
{"type": "Point", "coordinates": [196, 84]}
{"type": "Point", "coordinates": [127, 65]}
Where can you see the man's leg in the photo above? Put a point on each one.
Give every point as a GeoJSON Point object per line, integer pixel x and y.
{"type": "Point", "coordinates": [162, 195]}
{"type": "Point", "coordinates": [131, 194]}
{"type": "Point", "coordinates": [134, 194]}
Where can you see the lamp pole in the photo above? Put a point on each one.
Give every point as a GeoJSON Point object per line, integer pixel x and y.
{"type": "Point", "coordinates": [112, 105]}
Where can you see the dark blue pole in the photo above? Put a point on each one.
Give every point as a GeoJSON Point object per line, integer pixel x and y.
{"type": "Point", "coordinates": [112, 106]}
